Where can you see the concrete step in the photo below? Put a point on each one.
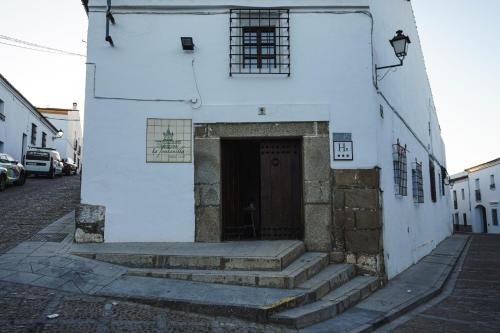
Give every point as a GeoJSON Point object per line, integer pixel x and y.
{"type": "Point", "coordinates": [302, 269]}
{"type": "Point", "coordinates": [245, 256]}
{"type": "Point", "coordinates": [330, 305]}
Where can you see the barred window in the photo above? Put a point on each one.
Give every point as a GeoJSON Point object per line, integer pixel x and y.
{"type": "Point", "coordinates": [418, 182]}
{"type": "Point", "coordinates": [259, 41]}
{"type": "Point", "coordinates": [432, 179]}
{"type": "Point", "coordinates": [400, 169]}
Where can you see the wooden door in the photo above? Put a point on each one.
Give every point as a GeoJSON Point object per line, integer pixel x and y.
{"type": "Point", "coordinates": [281, 190]}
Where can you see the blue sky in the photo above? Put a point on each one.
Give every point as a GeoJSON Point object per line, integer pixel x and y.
{"type": "Point", "coordinates": [460, 39]}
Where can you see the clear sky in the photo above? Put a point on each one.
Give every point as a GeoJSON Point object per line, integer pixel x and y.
{"type": "Point", "coordinates": [460, 40]}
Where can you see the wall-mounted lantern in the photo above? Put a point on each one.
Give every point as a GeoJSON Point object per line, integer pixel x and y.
{"type": "Point", "coordinates": [187, 43]}
{"type": "Point", "coordinates": [400, 45]}
{"type": "Point", "coordinates": [59, 135]}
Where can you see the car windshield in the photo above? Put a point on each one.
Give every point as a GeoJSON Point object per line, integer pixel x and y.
{"type": "Point", "coordinates": [37, 155]}
{"type": "Point", "coordinates": [10, 158]}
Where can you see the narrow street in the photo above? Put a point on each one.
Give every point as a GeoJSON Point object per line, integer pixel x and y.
{"type": "Point", "coordinates": [474, 304]}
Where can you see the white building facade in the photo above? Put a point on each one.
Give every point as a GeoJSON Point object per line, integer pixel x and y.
{"type": "Point", "coordinates": [21, 125]}
{"type": "Point", "coordinates": [277, 125]}
{"type": "Point", "coordinates": [68, 120]}
{"type": "Point", "coordinates": [476, 198]}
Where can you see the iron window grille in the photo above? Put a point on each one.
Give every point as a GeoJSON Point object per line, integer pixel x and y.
{"type": "Point", "coordinates": [33, 134]}
{"type": "Point", "coordinates": [418, 183]}
{"type": "Point", "coordinates": [44, 139]}
{"type": "Point", "coordinates": [259, 41]}
{"type": "Point", "coordinates": [478, 195]}
{"type": "Point", "coordinates": [399, 154]}
{"type": "Point", "coordinates": [432, 179]}
{"type": "Point", "coordinates": [455, 201]}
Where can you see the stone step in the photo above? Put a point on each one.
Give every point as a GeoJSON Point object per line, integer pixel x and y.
{"type": "Point", "coordinates": [330, 305]}
{"type": "Point", "coordinates": [245, 256]}
{"type": "Point", "coordinates": [302, 269]}
{"type": "Point", "coordinates": [327, 280]}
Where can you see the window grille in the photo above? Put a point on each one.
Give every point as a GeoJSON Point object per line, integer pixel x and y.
{"type": "Point", "coordinates": [455, 202]}
{"type": "Point", "coordinates": [443, 180]}
{"type": "Point", "coordinates": [399, 154]}
{"type": "Point", "coordinates": [44, 139]}
{"type": "Point", "coordinates": [33, 134]}
{"type": "Point", "coordinates": [259, 41]}
{"type": "Point", "coordinates": [432, 179]}
{"type": "Point", "coordinates": [418, 182]}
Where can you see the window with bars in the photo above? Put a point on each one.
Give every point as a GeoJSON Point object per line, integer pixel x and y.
{"type": "Point", "coordinates": [399, 154]}
{"type": "Point", "coordinates": [259, 41]}
{"type": "Point", "coordinates": [33, 134]}
{"type": "Point", "coordinates": [44, 139]}
{"type": "Point", "coordinates": [443, 181]}
{"type": "Point", "coordinates": [418, 182]}
{"type": "Point", "coordinates": [432, 179]}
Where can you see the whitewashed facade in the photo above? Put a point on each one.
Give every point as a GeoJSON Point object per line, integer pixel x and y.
{"type": "Point", "coordinates": [476, 198]}
{"type": "Point", "coordinates": [68, 120]}
{"type": "Point", "coordinates": [21, 125]}
{"type": "Point", "coordinates": [335, 46]}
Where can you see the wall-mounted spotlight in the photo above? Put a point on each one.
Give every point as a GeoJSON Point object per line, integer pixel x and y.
{"type": "Point", "coordinates": [59, 134]}
{"type": "Point", "coordinates": [187, 43]}
{"type": "Point", "coordinates": [400, 45]}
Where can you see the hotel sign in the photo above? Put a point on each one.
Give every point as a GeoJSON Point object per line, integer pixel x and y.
{"type": "Point", "coordinates": [169, 140]}
{"type": "Point", "coordinates": [342, 147]}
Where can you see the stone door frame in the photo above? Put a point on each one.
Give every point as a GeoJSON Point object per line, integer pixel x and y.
{"type": "Point", "coordinates": [317, 191]}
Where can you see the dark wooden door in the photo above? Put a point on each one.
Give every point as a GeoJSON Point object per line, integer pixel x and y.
{"type": "Point", "coordinates": [281, 190]}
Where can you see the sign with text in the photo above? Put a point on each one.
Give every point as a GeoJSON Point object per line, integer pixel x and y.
{"type": "Point", "coordinates": [169, 140]}
{"type": "Point", "coordinates": [342, 147]}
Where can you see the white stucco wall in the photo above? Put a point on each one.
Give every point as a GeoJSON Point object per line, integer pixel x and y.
{"type": "Point", "coordinates": [19, 115]}
{"type": "Point", "coordinates": [410, 230]}
{"type": "Point", "coordinates": [72, 128]}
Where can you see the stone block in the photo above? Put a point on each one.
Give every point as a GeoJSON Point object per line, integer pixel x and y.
{"type": "Point", "coordinates": [296, 129]}
{"type": "Point", "coordinates": [316, 158]}
{"type": "Point", "coordinates": [323, 128]}
{"type": "Point", "coordinates": [361, 198]}
{"type": "Point", "coordinates": [200, 131]}
{"type": "Point", "coordinates": [363, 241]}
{"type": "Point", "coordinates": [350, 258]}
{"type": "Point", "coordinates": [317, 191]}
{"type": "Point", "coordinates": [358, 178]}
{"type": "Point", "coordinates": [89, 223]}
{"type": "Point", "coordinates": [338, 199]}
{"type": "Point", "coordinates": [318, 223]}
{"type": "Point", "coordinates": [337, 257]}
{"type": "Point", "coordinates": [368, 263]}
{"type": "Point", "coordinates": [207, 161]}
{"type": "Point", "coordinates": [344, 220]}
{"type": "Point", "coordinates": [367, 219]}
{"type": "Point", "coordinates": [208, 224]}
{"type": "Point", "coordinates": [207, 194]}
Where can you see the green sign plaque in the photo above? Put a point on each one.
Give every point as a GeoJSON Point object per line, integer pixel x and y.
{"type": "Point", "coordinates": [169, 140]}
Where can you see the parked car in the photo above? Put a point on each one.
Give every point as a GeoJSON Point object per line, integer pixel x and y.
{"type": "Point", "coordinates": [69, 167]}
{"type": "Point", "coordinates": [43, 161]}
{"type": "Point", "coordinates": [15, 170]}
{"type": "Point", "coordinates": [3, 179]}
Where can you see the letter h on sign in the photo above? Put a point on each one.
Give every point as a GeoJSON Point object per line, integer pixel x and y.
{"type": "Point", "coordinates": [342, 147]}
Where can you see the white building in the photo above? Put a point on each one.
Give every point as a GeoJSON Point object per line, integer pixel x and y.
{"type": "Point", "coordinates": [69, 121]}
{"type": "Point", "coordinates": [476, 198]}
{"type": "Point", "coordinates": [21, 125]}
{"type": "Point", "coordinates": [277, 125]}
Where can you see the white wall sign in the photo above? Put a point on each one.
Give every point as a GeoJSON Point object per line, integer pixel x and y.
{"type": "Point", "coordinates": [168, 140]}
{"type": "Point", "coordinates": [342, 147]}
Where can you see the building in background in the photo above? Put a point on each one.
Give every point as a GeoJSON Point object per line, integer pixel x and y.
{"type": "Point", "coordinates": [263, 120]}
{"type": "Point", "coordinates": [21, 125]}
{"type": "Point", "coordinates": [476, 198]}
{"type": "Point", "coordinates": [70, 146]}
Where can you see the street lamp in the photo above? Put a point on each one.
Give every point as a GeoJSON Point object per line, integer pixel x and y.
{"type": "Point", "coordinates": [59, 134]}
{"type": "Point", "coordinates": [400, 45]}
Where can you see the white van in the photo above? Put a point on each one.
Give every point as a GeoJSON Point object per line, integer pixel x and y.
{"type": "Point", "coordinates": [43, 161]}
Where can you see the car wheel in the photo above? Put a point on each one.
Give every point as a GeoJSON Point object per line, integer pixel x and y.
{"type": "Point", "coordinates": [3, 183]}
{"type": "Point", "coordinates": [21, 180]}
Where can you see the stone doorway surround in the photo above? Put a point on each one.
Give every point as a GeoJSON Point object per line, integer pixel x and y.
{"type": "Point", "coordinates": [317, 194]}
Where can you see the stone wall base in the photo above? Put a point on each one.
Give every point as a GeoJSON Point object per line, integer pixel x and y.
{"type": "Point", "coordinates": [89, 223]}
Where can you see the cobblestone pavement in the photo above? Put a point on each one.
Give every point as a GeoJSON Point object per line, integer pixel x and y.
{"type": "Point", "coordinates": [26, 210]}
{"type": "Point", "coordinates": [474, 304]}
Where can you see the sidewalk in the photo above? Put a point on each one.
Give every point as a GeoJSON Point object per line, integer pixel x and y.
{"type": "Point", "coordinates": [415, 286]}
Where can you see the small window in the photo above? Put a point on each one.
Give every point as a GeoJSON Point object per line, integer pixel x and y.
{"type": "Point", "coordinates": [44, 139]}
{"type": "Point", "coordinates": [259, 41]}
{"type": "Point", "coordinates": [418, 182]}
{"type": "Point", "coordinates": [477, 184]}
{"type": "Point", "coordinates": [432, 178]}
{"type": "Point", "coordinates": [33, 134]}
{"type": "Point", "coordinates": [399, 153]}
{"type": "Point", "coordinates": [463, 194]}
{"type": "Point", "coordinates": [455, 219]}
{"type": "Point", "coordinates": [443, 181]}
{"type": "Point", "coordinates": [465, 219]}
{"type": "Point", "coordinates": [455, 203]}
{"type": "Point", "coordinates": [2, 110]}
{"type": "Point", "coordinates": [494, 213]}
{"type": "Point", "coordinates": [492, 182]}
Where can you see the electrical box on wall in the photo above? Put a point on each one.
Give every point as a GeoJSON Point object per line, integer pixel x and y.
{"type": "Point", "coordinates": [342, 147]}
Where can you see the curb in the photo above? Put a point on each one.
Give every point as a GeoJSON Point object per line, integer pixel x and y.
{"type": "Point", "coordinates": [413, 303]}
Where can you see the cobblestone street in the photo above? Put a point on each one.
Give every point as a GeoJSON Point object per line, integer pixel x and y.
{"type": "Point", "coordinates": [474, 304]}
{"type": "Point", "coordinates": [26, 210]}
